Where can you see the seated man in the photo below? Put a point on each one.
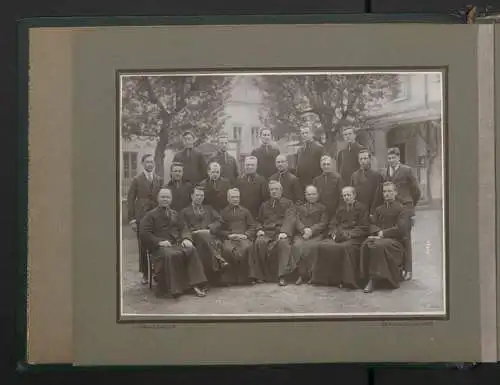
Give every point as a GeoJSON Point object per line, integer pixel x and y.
{"type": "Point", "coordinates": [337, 259]}
{"type": "Point", "coordinates": [204, 222]}
{"type": "Point", "coordinates": [177, 266]}
{"type": "Point", "coordinates": [237, 232]}
{"type": "Point", "coordinates": [382, 254]}
{"type": "Point", "coordinates": [271, 260]}
{"type": "Point", "coordinates": [311, 220]}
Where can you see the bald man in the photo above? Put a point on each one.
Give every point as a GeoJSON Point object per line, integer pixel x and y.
{"type": "Point", "coordinates": [238, 233]}
{"type": "Point", "coordinates": [311, 220]}
{"type": "Point", "coordinates": [252, 187]}
{"type": "Point", "coordinates": [177, 266]}
{"type": "Point", "coordinates": [215, 187]}
{"type": "Point", "coordinates": [289, 182]}
{"type": "Point", "coordinates": [271, 258]}
{"type": "Point", "coordinates": [337, 257]}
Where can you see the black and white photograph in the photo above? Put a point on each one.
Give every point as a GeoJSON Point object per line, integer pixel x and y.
{"type": "Point", "coordinates": [282, 194]}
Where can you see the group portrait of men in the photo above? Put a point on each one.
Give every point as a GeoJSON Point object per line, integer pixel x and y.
{"type": "Point", "coordinates": [211, 225]}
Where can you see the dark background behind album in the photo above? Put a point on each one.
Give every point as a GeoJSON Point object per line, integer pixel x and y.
{"type": "Point", "coordinates": [13, 198]}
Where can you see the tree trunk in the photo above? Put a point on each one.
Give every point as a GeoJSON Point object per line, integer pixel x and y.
{"type": "Point", "coordinates": [159, 156]}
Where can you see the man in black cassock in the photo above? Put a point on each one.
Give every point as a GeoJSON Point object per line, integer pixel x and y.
{"type": "Point", "coordinates": [308, 158]}
{"type": "Point", "coordinates": [252, 186]}
{"type": "Point", "coordinates": [266, 155]}
{"type": "Point", "coordinates": [177, 266]}
{"type": "Point", "coordinates": [237, 233]}
{"type": "Point", "coordinates": [229, 165]}
{"type": "Point", "coordinates": [204, 223]}
{"type": "Point", "coordinates": [347, 158]}
{"type": "Point", "coordinates": [382, 253]}
{"type": "Point", "coordinates": [215, 187]}
{"type": "Point", "coordinates": [271, 260]}
{"type": "Point", "coordinates": [337, 259]}
{"type": "Point", "coordinates": [311, 219]}
{"type": "Point", "coordinates": [368, 183]}
{"type": "Point", "coordinates": [289, 182]}
{"type": "Point", "coordinates": [181, 190]}
{"type": "Point", "coordinates": [329, 186]}
{"type": "Point", "coordinates": [193, 160]}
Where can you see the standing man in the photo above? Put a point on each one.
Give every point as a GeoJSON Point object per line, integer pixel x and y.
{"type": "Point", "coordinates": [347, 158]}
{"type": "Point", "coordinates": [181, 190]}
{"type": "Point", "coordinates": [382, 253]}
{"type": "Point", "coordinates": [337, 259]}
{"type": "Point", "coordinates": [368, 183]}
{"type": "Point", "coordinates": [311, 220]}
{"type": "Point", "coordinates": [204, 223]}
{"type": "Point", "coordinates": [266, 155]}
{"type": "Point", "coordinates": [308, 158]}
{"type": "Point", "coordinates": [229, 166]}
{"type": "Point", "coordinates": [252, 187]}
{"type": "Point", "coordinates": [142, 197]}
{"type": "Point", "coordinates": [215, 187]}
{"type": "Point", "coordinates": [193, 160]}
{"type": "Point", "coordinates": [329, 186]}
{"type": "Point", "coordinates": [271, 260]}
{"type": "Point", "coordinates": [408, 193]}
{"type": "Point", "coordinates": [177, 266]}
{"type": "Point", "coordinates": [290, 183]}
{"type": "Point", "coordinates": [238, 233]}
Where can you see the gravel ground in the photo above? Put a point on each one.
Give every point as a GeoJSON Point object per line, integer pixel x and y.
{"type": "Point", "coordinates": [423, 293]}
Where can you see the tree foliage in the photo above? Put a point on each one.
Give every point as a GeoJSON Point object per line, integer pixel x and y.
{"type": "Point", "coordinates": [326, 102]}
{"type": "Point", "coordinates": [162, 107]}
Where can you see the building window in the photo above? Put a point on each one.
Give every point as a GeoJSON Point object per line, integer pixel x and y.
{"type": "Point", "coordinates": [255, 135]}
{"type": "Point", "coordinates": [129, 164]}
{"type": "Point", "coordinates": [236, 132]}
{"type": "Point", "coordinates": [401, 89]}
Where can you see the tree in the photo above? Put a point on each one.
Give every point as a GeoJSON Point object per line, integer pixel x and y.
{"type": "Point", "coordinates": [162, 107]}
{"type": "Point", "coordinates": [329, 101]}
